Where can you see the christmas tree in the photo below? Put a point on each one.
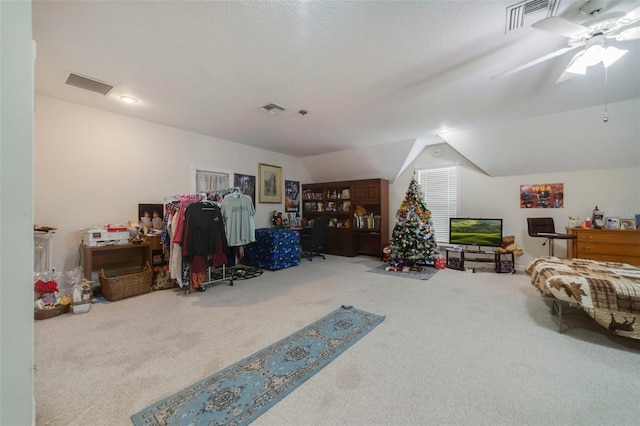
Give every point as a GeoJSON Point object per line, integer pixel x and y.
{"type": "Point", "coordinates": [413, 240]}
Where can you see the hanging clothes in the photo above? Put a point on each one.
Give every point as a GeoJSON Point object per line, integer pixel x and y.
{"type": "Point", "coordinates": [203, 233]}
{"type": "Point", "coordinates": [238, 213]}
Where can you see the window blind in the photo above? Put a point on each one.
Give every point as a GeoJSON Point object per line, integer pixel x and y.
{"type": "Point", "coordinates": [440, 191]}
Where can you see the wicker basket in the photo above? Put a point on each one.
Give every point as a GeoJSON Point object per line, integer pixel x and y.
{"type": "Point", "coordinates": [41, 314]}
{"type": "Point", "coordinates": [126, 283]}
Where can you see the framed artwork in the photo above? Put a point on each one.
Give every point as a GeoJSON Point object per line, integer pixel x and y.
{"type": "Point", "coordinates": [543, 195]}
{"type": "Point", "coordinates": [629, 223]}
{"type": "Point", "coordinates": [613, 222]}
{"type": "Point", "coordinates": [247, 185]}
{"type": "Point", "coordinates": [151, 216]}
{"type": "Point", "coordinates": [291, 196]}
{"type": "Point", "coordinates": [270, 183]}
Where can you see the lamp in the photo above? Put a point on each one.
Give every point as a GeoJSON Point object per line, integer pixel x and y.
{"type": "Point", "coordinates": [596, 51]}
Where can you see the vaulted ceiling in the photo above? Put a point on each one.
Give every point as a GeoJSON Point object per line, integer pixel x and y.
{"type": "Point", "coordinates": [371, 75]}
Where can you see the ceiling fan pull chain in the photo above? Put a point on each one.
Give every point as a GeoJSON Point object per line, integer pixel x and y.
{"type": "Point", "coordinates": [606, 83]}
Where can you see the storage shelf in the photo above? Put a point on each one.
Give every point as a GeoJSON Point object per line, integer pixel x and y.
{"type": "Point", "coordinates": [459, 260]}
{"type": "Point", "coordinates": [338, 203]}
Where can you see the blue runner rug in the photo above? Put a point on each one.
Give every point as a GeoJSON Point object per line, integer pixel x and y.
{"type": "Point", "coordinates": [240, 393]}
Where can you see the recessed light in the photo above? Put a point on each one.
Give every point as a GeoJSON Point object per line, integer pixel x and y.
{"type": "Point", "coordinates": [444, 130]}
{"type": "Point", "coordinates": [128, 99]}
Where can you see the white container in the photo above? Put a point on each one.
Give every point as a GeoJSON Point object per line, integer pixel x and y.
{"type": "Point", "coordinates": [81, 299]}
{"type": "Point", "coordinates": [81, 309]}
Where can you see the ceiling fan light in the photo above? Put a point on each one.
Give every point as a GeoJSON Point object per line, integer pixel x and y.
{"type": "Point", "coordinates": [577, 65]}
{"type": "Point", "coordinates": [612, 54]}
{"type": "Point", "coordinates": [593, 55]}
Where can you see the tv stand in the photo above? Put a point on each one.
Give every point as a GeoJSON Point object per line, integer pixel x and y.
{"type": "Point", "coordinates": [466, 259]}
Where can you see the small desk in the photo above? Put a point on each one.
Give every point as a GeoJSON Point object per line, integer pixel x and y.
{"type": "Point", "coordinates": [119, 256]}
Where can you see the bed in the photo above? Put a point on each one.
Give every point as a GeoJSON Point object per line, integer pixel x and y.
{"type": "Point", "coordinates": [608, 291]}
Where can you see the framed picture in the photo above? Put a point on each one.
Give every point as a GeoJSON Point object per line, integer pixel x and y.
{"type": "Point", "coordinates": [247, 185]}
{"type": "Point", "coordinates": [151, 216]}
{"type": "Point", "coordinates": [613, 222]}
{"type": "Point", "coordinates": [270, 183]}
{"type": "Point", "coordinates": [628, 223]}
{"type": "Point", "coordinates": [542, 195]}
{"type": "Point", "coordinates": [291, 196]}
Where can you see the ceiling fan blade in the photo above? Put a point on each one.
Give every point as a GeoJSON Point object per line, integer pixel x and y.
{"type": "Point", "coordinates": [560, 26]}
{"type": "Point", "coordinates": [613, 29]}
{"type": "Point", "coordinates": [536, 61]}
{"type": "Point", "coordinates": [630, 17]}
{"type": "Point", "coordinates": [632, 33]}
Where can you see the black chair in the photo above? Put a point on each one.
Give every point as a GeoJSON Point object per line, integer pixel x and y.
{"type": "Point", "coordinates": [544, 227]}
{"type": "Point", "coordinates": [314, 242]}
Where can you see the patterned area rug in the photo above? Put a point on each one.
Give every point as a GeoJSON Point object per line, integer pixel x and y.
{"type": "Point", "coordinates": [240, 393]}
{"type": "Point", "coordinates": [424, 273]}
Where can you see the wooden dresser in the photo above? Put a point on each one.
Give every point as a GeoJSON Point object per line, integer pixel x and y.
{"type": "Point", "coordinates": [613, 245]}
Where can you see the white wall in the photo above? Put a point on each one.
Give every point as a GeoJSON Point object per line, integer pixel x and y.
{"type": "Point", "coordinates": [94, 167]}
{"type": "Point", "coordinates": [616, 191]}
{"type": "Point", "coordinates": [16, 215]}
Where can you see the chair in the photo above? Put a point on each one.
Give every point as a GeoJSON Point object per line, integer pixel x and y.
{"type": "Point", "coordinates": [544, 227]}
{"type": "Point", "coordinates": [315, 242]}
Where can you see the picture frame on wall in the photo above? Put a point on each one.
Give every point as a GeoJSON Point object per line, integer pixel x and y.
{"type": "Point", "coordinates": [270, 183]}
{"type": "Point", "coordinates": [543, 195]}
{"type": "Point", "coordinates": [151, 216]}
{"type": "Point", "coordinates": [247, 185]}
{"type": "Point", "coordinates": [291, 196]}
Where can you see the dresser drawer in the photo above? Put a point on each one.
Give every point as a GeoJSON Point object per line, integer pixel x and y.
{"type": "Point", "coordinates": [595, 247]}
{"type": "Point", "coordinates": [611, 245]}
{"type": "Point", "coordinates": [621, 237]}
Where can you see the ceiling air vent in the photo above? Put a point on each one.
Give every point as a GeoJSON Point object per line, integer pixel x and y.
{"type": "Point", "coordinates": [89, 84]}
{"type": "Point", "coordinates": [272, 108]}
{"type": "Point", "coordinates": [517, 12]}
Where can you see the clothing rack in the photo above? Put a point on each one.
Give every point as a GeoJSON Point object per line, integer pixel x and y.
{"type": "Point", "coordinates": [214, 197]}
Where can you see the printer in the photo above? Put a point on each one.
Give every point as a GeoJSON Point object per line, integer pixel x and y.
{"type": "Point", "coordinates": [99, 236]}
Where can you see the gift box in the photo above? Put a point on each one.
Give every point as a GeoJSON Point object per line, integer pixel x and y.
{"type": "Point", "coordinates": [274, 248]}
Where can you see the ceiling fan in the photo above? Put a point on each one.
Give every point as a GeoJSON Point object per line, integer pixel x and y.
{"type": "Point", "coordinates": [592, 36]}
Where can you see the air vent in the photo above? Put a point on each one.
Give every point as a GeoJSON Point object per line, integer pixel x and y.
{"type": "Point", "coordinates": [272, 108]}
{"type": "Point", "coordinates": [90, 84]}
{"type": "Point", "coordinates": [516, 13]}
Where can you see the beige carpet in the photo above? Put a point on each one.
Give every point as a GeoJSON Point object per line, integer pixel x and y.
{"type": "Point", "coordinates": [458, 349]}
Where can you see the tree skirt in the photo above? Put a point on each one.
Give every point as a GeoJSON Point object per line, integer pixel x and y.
{"type": "Point", "coordinates": [417, 273]}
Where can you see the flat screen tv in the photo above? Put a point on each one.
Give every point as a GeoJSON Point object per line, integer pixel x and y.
{"type": "Point", "coordinates": [475, 231]}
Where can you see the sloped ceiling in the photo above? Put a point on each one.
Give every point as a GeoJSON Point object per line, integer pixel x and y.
{"type": "Point", "coordinates": [379, 161]}
{"type": "Point", "coordinates": [571, 141]}
{"type": "Point", "coordinates": [369, 74]}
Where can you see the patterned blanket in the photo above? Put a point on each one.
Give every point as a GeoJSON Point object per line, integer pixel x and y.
{"type": "Point", "coordinates": [608, 291]}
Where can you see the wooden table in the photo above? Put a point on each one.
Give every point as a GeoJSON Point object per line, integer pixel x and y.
{"type": "Point", "coordinates": [114, 257]}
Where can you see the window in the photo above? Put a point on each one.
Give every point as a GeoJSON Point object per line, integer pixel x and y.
{"type": "Point", "coordinates": [211, 181]}
{"type": "Point", "coordinates": [440, 191]}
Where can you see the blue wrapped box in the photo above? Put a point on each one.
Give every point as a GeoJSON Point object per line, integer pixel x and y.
{"type": "Point", "coordinates": [273, 249]}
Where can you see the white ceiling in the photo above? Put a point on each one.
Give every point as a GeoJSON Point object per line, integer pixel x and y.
{"type": "Point", "coordinates": [368, 73]}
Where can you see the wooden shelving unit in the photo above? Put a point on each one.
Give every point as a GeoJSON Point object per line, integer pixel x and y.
{"type": "Point", "coordinates": [349, 233]}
